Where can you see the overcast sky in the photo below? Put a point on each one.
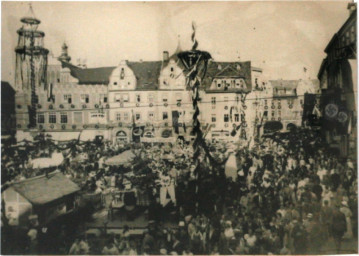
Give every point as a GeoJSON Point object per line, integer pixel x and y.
{"type": "Point", "coordinates": [280, 37]}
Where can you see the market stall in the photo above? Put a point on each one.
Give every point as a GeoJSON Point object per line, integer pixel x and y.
{"type": "Point", "coordinates": [124, 158]}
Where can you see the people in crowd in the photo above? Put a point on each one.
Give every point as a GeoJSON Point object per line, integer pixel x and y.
{"type": "Point", "coordinates": [291, 196]}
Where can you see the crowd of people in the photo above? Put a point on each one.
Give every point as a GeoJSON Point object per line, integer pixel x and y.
{"type": "Point", "coordinates": [290, 195]}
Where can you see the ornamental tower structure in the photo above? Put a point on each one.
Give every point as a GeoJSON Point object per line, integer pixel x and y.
{"type": "Point", "coordinates": [30, 72]}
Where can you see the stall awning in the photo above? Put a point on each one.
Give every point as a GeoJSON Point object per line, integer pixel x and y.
{"type": "Point", "coordinates": [46, 162]}
{"type": "Point", "coordinates": [44, 189]}
{"type": "Point", "coordinates": [123, 158]}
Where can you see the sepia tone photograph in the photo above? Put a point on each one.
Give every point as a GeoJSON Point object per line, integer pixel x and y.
{"type": "Point", "coordinates": [179, 128]}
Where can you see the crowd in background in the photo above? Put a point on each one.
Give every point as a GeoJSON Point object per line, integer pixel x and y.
{"type": "Point", "coordinates": [290, 194]}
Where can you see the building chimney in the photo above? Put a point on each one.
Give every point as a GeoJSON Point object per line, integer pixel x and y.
{"type": "Point", "coordinates": [352, 8]}
{"type": "Point", "coordinates": [165, 56]}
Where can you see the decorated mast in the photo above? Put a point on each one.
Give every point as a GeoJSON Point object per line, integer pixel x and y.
{"type": "Point", "coordinates": [31, 63]}
{"type": "Point", "coordinates": [195, 63]}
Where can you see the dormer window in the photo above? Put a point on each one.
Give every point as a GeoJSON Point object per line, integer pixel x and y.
{"type": "Point", "coordinates": [122, 75]}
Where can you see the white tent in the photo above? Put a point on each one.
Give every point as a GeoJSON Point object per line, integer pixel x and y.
{"type": "Point", "coordinates": [46, 162]}
{"type": "Point", "coordinates": [123, 158]}
{"type": "Point", "coordinates": [231, 167]}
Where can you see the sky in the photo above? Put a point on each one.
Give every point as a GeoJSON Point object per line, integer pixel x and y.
{"type": "Point", "coordinates": [280, 37]}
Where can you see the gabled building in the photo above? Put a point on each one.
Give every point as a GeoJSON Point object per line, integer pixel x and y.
{"type": "Point", "coordinates": [150, 101]}
{"type": "Point", "coordinates": [338, 84]}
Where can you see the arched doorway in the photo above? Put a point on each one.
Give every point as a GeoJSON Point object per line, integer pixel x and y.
{"type": "Point", "coordinates": [121, 137]}
{"type": "Point", "coordinates": [166, 133]}
{"type": "Point", "coordinates": [148, 134]}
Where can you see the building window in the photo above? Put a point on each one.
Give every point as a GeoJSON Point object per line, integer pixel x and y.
{"type": "Point", "coordinates": [236, 117]}
{"type": "Point", "coordinates": [279, 112]}
{"type": "Point", "coordinates": [272, 113]}
{"type": "Point", "coordinates": [85, 98]}
{"type": "Point", "coordinates": [237, 99]}
{"type": "Point", "coordinates": [67, 98]}
{"type": "Point", "coordinates": [52, 118]}
{"type": "Point", "coordinates": [78, 117]}
{"type": "Point", "coordinates": [151, 115]}
{"type": "Point", "coordinates": [213, 118]}
{"type": "Point", "coordinates": [301, 101]}
{"type": "Point", "coordinates": [165, 97]}
{"type": "Point", "coordinates": [138, 116]}
{"type": "Point", "coordinates": [164, 115]}
{"type": "Point", "coordinates": [117, 97]}
{"type": "Point", "coordinates": [63, 118]}
{"type": "Point", "coordinates": [121, 97]}
{"type": "Point", "coordinates": [150, 98]}
{"type": "Point", "coordinates": [265, 102]}
{"type": "Point", "coordinates": [40, 118]}
{"type": "Point", "coordinates": [352, 34]}
{"type": "Point", "coordinates": [226, 118]}
{"type": "Point", "coordinates": [122, 75]}
{"type": "Point", "coordinates": [114, 83]}
{"type": "Point", "coordinates": [213, 100]}
{"type": "Point", "coordinates": [125, 116]}
{"type": "Point", "coordinates": [179, 97]}
{"type": "Point", "coordinates": [138, 98]}
{"type": "Point", "coordinates": [172, 69]}
{"type": "Point", "coordinates": [118, 116]}
{"type": "Point", "coordinates": [103, 98]}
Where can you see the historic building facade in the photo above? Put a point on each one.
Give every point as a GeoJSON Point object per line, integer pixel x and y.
{"type": "Point", "coordinates": [150, 101]}
{"type": "Point", "coordinates": [287, 104]}
{"type": "Point", "coordinates": [338, 83]}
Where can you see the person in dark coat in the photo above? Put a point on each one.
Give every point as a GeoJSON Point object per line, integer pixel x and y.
{"type": "Point", "coordinates": [338, 227]}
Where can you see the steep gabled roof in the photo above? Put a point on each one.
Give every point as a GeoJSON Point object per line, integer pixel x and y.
{"type": "Point", "coordinates": [41, 190]}
{"type": "Point", "coordinates": [228, 69]}
{"type": "Point", "coordinates": [147, 74]}
{"type": "Point", "coordinates": [90, 75]}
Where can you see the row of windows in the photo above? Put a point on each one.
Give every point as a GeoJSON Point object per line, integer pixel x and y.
{"type": "Point", "coordinates": [125, 97]}
{"type": "Point", "coordinates": [124, 116]}
{"type": "Point", "coordinates": [237, 83]}
{"type": "Point", "coordinates": [52, 118]}
{"type": "Point", "coordinates": [226, 117]}
{"type": "Point", "coordinates": [84, 98]}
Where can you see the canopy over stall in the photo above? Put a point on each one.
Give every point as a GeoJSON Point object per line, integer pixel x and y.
{"type": "Point", "coordinates": [47, 162]}
{"type": "Point", "coordinates": [124, 158]}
